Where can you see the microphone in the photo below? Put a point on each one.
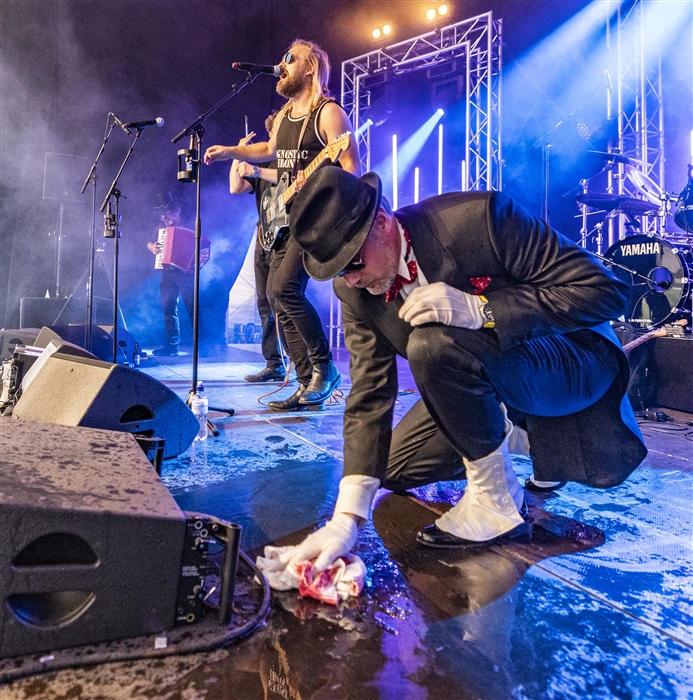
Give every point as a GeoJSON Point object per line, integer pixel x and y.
{"type": "Point", "coordinates": [141, 125]}
{"type": "Point", "coordinates": [254, 68]}
{"type": "Point", "coordinates": [119, 123]}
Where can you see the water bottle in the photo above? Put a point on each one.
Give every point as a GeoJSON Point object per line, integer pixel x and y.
{"type": "Point", "coordinates": [199, 406]}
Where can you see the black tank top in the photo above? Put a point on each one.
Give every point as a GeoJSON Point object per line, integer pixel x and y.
{"type": "Point", "coordinates": [289, 160]}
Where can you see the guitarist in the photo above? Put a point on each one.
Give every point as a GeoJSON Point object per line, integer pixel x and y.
{"type": "Point", "coordinates": [305, 125]}
{"type": "Point", "coordinates": [256, 179]}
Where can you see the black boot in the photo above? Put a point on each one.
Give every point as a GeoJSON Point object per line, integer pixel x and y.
{"type": "Point", "coordinates": [326, 378]}
{"type": "Point", "coordinates": [269, 374]}
{"type": "Point", "coordinates": [166, 351]}
{"type": "Point", "coordinates": [292, 403]}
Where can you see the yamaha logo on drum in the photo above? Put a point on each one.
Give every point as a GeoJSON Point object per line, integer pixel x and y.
{"type": "Point", "coordinates": [652, 248]}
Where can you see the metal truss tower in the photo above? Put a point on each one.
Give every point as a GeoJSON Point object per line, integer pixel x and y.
{"type": "Point", "coordinates": [477, 43]}
{"type": "Point", "coordinates": [640, 110]}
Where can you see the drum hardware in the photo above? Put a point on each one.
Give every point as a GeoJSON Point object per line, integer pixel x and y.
{"type": "Point", "coordinates": [659, 276]}
{"type": "Point", "coordinates": [615, 157]}
{"type": "Point", "coordinates": [684, 205]}
{"type": "Point", "coordinates": [620, 203]}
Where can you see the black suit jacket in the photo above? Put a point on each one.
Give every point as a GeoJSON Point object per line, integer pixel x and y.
{"type": "Point", "coordinates": [541, 284]}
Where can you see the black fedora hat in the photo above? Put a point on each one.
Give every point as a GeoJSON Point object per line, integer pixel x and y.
{"type": "Point", "coordinates": [331, 217]}
{"type": "Point", "coordinates": [164, 201]}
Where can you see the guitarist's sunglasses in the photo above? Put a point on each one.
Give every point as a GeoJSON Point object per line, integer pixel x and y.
{"type": "Point", "coordinates": [355, 264]}
{"type": "Point", "coordinates": [287, 58]}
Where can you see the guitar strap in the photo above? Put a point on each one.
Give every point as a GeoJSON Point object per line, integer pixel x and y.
{"type": "Point", "coordinates": [303, 131]}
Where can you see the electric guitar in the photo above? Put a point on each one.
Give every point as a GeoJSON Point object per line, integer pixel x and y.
{"type": "Point", "coordinates": [274, 219]}
{"type": "Point", "coordinates": [656, 333]}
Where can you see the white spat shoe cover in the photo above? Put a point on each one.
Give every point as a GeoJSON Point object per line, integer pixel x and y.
{"type": "Point", "coordinates": [493, 497]}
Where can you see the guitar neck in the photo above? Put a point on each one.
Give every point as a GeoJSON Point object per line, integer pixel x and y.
{"type": "Point", "coordinates": [656, 333]}
{"type": "Point", "coordinates": [290, 191]}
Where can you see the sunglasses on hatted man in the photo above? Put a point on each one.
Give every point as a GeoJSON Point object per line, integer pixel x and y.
{"type": "Point", "coordinates": [355, 264]}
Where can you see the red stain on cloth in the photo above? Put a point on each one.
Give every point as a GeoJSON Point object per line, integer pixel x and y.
{"type": "Point", "coordinates": [342, 580]}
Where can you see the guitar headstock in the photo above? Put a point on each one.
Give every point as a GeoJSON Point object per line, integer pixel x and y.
{"type": "Point", "coordinates": [338, 145]}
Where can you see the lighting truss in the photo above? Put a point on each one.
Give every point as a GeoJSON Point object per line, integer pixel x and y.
{"type": "Point", "coordinates": [477, 42]}
{"type": "Point", "coordinates": [640, 108]}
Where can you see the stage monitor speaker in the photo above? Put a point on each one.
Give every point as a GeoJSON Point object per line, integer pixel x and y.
{"type": "Point", "coordinates": [101, 341]}
{"type": "Point", "coordinates": [35, 312]}
{"type": "Point", "coordinates": [93, 394]}
{"type": "Point", "coordinates": [673, 361]}
{"type": "Point", "coordinates": [11, 337]}
{"type": "Point", "coordinates": [92, 541]}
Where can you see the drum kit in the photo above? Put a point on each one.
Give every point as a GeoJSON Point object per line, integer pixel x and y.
{"type": "Point", "coordinates": [656, 266]}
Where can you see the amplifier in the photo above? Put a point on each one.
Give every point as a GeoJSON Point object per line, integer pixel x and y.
{"type": "Point", "coordinates": [673, 362]}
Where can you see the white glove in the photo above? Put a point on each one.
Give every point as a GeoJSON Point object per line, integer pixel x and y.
{"type": "Point", "coordinates": [441, 303]}
{"type": "Point", "coordinates": [330, 542]}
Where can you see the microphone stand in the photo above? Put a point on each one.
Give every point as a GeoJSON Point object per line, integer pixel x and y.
{"type": "Point", "coordinates": [111, 230]}
{"type": "Point", "coordinates": [92, 175]}
{"type": "Point", "coordinates": [546, 145]}
{"type": "Point", "coordinates": [189, 161]}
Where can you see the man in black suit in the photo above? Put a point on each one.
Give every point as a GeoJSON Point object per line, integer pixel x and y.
{"type": "Point", "coordinates": [497, 315]}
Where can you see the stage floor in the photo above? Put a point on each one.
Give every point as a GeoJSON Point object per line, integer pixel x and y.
{"type": "Point", "coordinates": [598, 605]}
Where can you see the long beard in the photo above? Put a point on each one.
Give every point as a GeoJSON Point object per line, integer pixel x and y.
{"type": "Point", "coordinates": [291, 86]}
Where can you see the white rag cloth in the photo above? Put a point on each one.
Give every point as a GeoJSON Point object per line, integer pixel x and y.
{"type": "Point", "coordinates": [344, 579]}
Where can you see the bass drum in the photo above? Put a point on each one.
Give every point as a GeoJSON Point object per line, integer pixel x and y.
{"type": "Point", "coordinates": [658, 274]}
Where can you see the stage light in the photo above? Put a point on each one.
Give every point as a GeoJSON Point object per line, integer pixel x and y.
{"type": "Point", "coordinates": [441, 11]}
{"type": "Point", "coordinates": [395, 167]}
{"type": "Point", "coordinates": [440, 159]}
{"type": "Point", "coordinates": [416, 185]}
{"type": "Point", "coordinates": [382, 31]}
{"type": "Point", "coordinates": [440, 111]}
{"type": "Point", "coordinates": [395, 179]}
{"type": "Point", "coordinates": [364, 127]}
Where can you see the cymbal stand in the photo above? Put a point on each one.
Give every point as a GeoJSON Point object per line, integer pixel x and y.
{"type": "Point", "coordinates": [545, 143]}
{"type": "Point", "coordinates": [662, 213]}
{"type": "Point", "coordinates": [583, 210]}
{"type": "Point", "coordinates": [189, 161]}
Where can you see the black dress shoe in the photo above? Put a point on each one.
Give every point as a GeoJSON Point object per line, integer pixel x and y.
{"type": "Point", "coordinates": [292, 403]}
{"type": "Point", "coordinates": [433, 536]}
{"type": "Point", "coordinates": [535, 488]}
{"type": "Point", "coordinates": [269, 374]}
{"type": "Point", "coordinates": [326, 378]}
{"type": "Point", "coordinates": [166, 351]}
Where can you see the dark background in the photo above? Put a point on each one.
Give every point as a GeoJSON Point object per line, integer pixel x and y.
{"type": "Point", "coordinates": [66, 64]}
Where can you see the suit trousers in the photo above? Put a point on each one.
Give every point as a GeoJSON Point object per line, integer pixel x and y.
{"type": "Point", "coordinates": [303, 330]}
{"type": "Point", "coordinates": [463, 376]}
{"type": "Point", "coordinates": [175, 283]}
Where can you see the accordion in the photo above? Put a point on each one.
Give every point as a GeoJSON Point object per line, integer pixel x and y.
{"type": "Point", "coordinates": [178, 249]}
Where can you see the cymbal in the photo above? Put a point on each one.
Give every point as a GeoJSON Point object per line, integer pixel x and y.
{"type": "Point", "coordinates": [616, 157]}
{"type": "Point", "coordinates": [610, 202]}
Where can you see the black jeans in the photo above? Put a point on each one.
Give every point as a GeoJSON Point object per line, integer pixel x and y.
{"type": "Point", "coordinates": [175, 282]}
{"type": "Point", "coordinates": [265, 308]}
{"type": "Point", "coordinates": [463, 375]}
{"type": "Point", "coordinates": [303, 330]}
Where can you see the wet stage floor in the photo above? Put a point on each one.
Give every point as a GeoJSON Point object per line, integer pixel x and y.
{"type": "Point", "coordinates": [599, 604]}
